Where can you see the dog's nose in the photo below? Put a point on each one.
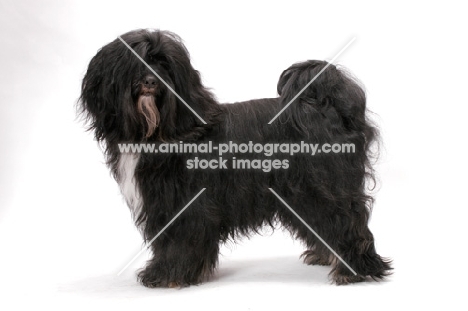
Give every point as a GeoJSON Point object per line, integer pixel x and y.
{"type": "Point", "coordinates": [149, 81]}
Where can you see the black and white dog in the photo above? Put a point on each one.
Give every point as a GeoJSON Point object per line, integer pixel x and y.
{"type": "Point", "coordinates": [124, 102]}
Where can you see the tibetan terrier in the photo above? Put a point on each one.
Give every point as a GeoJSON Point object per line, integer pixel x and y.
{"type": "Point", "coordinates": [141, 89]}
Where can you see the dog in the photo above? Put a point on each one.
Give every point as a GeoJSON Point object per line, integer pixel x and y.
{"type": "Point", "coordinates": [124, 101]}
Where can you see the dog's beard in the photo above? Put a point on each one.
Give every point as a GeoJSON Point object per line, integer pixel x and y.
{"type": "Point", "coordinates": [147, 107]}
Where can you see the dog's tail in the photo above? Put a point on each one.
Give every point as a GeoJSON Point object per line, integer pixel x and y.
{"type": "Point", "coordinates": [334, 97]}
{"type": "Point", "coordinates": [331, 110]}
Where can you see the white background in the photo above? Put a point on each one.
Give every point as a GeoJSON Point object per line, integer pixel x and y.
{"type": "Point", "coordinates": [65, 231]}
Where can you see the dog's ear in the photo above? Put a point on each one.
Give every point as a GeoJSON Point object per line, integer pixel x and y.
{"type": "Point", "coordinates": [177, 120]}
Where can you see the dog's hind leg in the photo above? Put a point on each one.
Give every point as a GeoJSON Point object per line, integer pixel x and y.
{"type": "Point", "coordinates": [355, 244]}
{"type": "Point", "coordinates": [343, 228]}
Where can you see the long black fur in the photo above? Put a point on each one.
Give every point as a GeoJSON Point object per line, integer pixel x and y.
{"type": "Point", "coordinates": [327, 190]}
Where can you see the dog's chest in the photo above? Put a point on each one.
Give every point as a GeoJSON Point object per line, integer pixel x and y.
{"type": "Point", "coordinates": [128, 186]}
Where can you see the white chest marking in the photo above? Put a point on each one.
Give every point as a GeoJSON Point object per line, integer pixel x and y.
{"type": "Point", "coordinates": [128, 186]}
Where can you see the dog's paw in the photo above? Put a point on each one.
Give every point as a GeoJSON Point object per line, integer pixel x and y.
{"type": "Point", "coordinates": [342, 279]}
{"type": "Point", "coordinates": [174, 285]}
{"type": "Point", "coordinates": [159, 283]}
{"type": "Point", "coordinates": [310, 257]}
{"type": "Point", "coordinates": [147, 280]}
{"type": "Point", "coordinates": [152, 277]}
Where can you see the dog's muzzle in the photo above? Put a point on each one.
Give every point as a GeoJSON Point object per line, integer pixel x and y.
{"type": "Point", "coordinates": [146, 104]}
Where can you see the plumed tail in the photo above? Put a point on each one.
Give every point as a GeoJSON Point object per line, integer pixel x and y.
{"type": "Point", "coordinates": [331, 110]}
{"type": "Point", "coordinates": [334, 94]}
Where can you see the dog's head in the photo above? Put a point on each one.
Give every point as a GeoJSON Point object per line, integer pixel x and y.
{"type": "Point", "coordinates": [124, 100]}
